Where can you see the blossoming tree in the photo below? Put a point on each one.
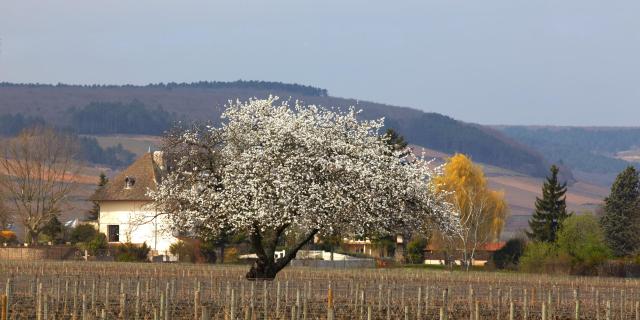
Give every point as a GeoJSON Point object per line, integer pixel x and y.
{"type": "Point", "coordinates": [272, 168]}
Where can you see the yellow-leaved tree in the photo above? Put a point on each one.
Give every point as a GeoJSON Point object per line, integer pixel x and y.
{"type": "Point", "coordinates": [482, 211]}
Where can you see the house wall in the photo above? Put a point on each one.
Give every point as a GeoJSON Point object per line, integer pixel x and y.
{"type": "Point", "coordinates": [137, 224]}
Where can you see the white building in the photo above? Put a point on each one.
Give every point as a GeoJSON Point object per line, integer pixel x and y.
{"type": "Point", "coordinates": [127, 214]}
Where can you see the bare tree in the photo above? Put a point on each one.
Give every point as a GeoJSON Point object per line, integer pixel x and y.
{"type": "Point", "coordinates": [40, 174]}
{"type": "Point", "coordinates": [5, 217]}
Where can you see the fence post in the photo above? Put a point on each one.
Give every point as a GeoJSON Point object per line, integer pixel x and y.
{"type": "Point", "coordinates": [277, 299]}
{"type": "Point", "coordinates": [136, 311]}
{"type": "Point", "coordinates": [205, 313]}
{"type": "Point", "coordinates": [3, 307]}
{"type": "Point", "coordinates": [499, 313]}
{"type": "Point", "coordinates": [84, 308]}
{"type": "Point", "coordinates": [511, 310]}
{"type": "Point", "coordinates": [470, 302]}
{"type": "Point", "coordinates": [577, 303]}
{"type": "Point", "coordinates": [7, 293]}
{"type": "Point", "coordinates": [162, 298]}
{"type": "Point", "coordinates": [597, 304]}
{"type": "Point", "coordinates": [196, 304]}
{"type": "Point", "coordinates": [232, 312]}
{"type": "Point", "coordinates": [445, 303]}
{"type": "Point", "coordinates": [123, 306]}
{"type": "Point", "coordinates": [525, 304]}
{"type": "Point", "coordinates": [46, 307]}
{"type": "Point", "coordinates": [265, 298]}
{"type": "Point", "coordinates": [329, 303]}
{"type": "Point", "coordinates": [477, 313]}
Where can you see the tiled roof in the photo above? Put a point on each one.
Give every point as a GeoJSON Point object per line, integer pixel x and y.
{"type": "Point", "coordinates": [144, 172]}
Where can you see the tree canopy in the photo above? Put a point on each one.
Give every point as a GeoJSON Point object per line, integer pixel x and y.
{"type": "Point", "coordinates": [482, 211]}
{"type": "Point", "coordinates": [621, 219]}
{"type": "Point", "coordinates": [551, 209]}
{"type": "Point", "coordinates": [274, 168]}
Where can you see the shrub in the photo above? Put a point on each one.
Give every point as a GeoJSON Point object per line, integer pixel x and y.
{"type": "Point", "coordinates": [129, 252]}
{"type": "Point", "coordinates": [582, 240]}
{"type": "Point", "coordinates": [231, 255]}
{"type": "Point", "coordinates": [83, 233]}
{"type": "Point", "coordinates": [208, 249]}
{"type": "Point", "coordinates": [95, 245]}
{"type": "Point", "coordinates": [415, 250]}
{"type": "Point", "coordinates": [537, 255]}
{"type": "Point", "coordinates": [52, 231]}
{"type": "Point", "coordinates": [8, 237]}
{"type": "Point", "coordinates": [184, 250]}
{"type": "Point", "coordinates": [509, 255]}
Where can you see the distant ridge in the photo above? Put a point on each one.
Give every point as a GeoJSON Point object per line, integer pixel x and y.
{"type": "Point", "coordinates": [62, 104]}
{"type": "Point", "coordinates": [245, 84]}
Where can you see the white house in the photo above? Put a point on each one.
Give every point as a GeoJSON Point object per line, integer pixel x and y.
{"type": "Point", "coordinates": [127, 214]}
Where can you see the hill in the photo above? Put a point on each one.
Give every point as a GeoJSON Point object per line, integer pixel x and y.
{"type": "Point", "coordinates": [595, 154]}
{"type": "Point", "coordinates": [150, 109]}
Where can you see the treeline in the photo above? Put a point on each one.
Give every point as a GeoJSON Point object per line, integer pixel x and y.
{"type": "Point", "coordinates": [88, 148]}
{"type": "Point", "coordinates": [239, 84]}
{"type": "Point", "coordinates": [122, 118]}
{"type": "Point", "coordinates": [114, 156]}
{"type": "Point", "coordinates": [12, 124]}
{"type": "Point", "coordinates": [586, 149]}
{"type": "Point", "coordinates": [445, 134]}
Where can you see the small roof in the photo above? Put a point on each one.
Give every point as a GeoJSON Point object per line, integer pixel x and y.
{"type": "Point", "coordinates": [132, 183]}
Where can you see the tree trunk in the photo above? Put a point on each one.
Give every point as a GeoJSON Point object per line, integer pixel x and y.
{"type": "Point", "coordinates": [33, 237]}
{"type": "Point", "coordinates": [266, 266]}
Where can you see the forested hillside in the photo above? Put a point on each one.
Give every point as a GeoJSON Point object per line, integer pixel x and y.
{"type": "Point", "coordinates": [151, 109]}
{"type": "Point", "coordinates": [592, 150]}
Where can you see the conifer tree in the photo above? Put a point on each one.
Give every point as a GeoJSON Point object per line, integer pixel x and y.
{"type": "Point", "coordinates": [621, 213]}
{"type": "Point", "coordinates": [397, 143]}
{"type": "Point", "coordinates": [551, 210]}
{"type": "Point", "coordinates": [95, 210]}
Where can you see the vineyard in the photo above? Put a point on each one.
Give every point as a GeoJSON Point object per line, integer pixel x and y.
{"type": "Point", "coordinates": [86, 290]}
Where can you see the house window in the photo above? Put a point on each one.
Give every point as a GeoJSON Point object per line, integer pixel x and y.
{"type": "Point", "coordinates": [114, 233]}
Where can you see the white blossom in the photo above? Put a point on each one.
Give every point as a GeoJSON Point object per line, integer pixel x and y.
{"type": "Point", "coordinates": [273, 165]}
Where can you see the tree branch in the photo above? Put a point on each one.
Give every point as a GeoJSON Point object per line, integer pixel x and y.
{"type": "Point", "coordinates": [293, 251]}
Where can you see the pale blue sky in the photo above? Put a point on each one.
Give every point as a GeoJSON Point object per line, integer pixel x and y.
{"type": "Point", "coordinates": [568, 62]}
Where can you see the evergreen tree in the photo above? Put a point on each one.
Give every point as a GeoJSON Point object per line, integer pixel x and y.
{"type": "Point", "coordinates": [396, 143]}
{"type": "Point", "coordinates": [95, 211]}
{"type": "Point", "coordinates": [551, 210]}
{"type": "Point", "coordinates": [621, 213]}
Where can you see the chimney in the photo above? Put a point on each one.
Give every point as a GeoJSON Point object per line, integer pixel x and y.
{"type": "Point", "coordinates": [158, 159]}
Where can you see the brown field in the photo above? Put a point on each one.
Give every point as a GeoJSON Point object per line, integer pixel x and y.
{"type": "Point", "coordinates": [138, 144]}
{"type": "Point", "coordinates": [87, 290]}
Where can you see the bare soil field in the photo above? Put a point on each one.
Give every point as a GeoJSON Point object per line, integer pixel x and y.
{"type": "Point", "coordinates": [94, 290]}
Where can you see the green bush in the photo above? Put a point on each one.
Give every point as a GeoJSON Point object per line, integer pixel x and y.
{"type": "Point", "coordinates": [582, 240]}
{"type": "Point", "coordinates": [208, 249]}
{"type": "Point", "coordinates": [52, 231]}
{"type": "Point", "coordinates": [415, 250]}
{"type": "Point", "coordinates": [95, 245]}
{"type": "Point", "coordinates": [537, 256]}
{"type": "Point", "coordinates": [509, 255]}
{"type": "Point", "coordinates": [184, 250]}
{"type": "Point", "coordinates": [129, 252]}
{"type": "Point", "coordinates": [83, 233]}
